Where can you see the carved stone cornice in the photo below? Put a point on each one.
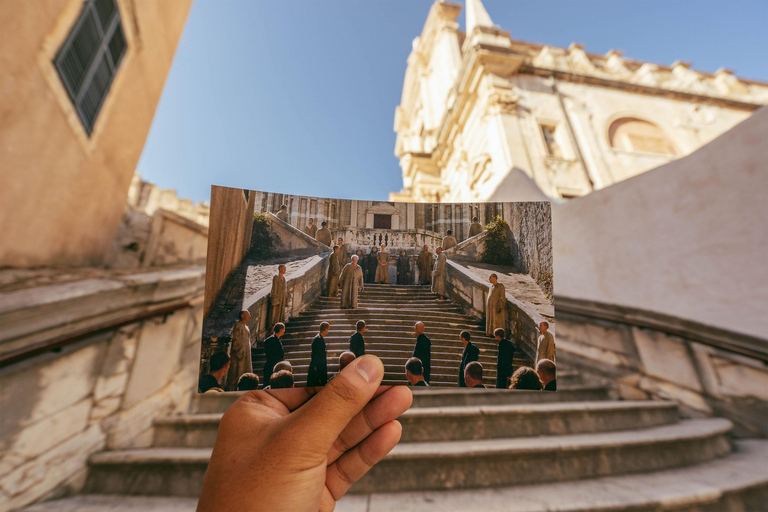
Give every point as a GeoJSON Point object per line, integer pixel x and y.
{"type": "Point", "coordinates": [502, 102]}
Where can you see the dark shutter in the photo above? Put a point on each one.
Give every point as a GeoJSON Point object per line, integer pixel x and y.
{"type": "Point", "coordinates": [90, 56]}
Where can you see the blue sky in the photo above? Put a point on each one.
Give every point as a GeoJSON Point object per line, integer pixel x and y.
{"type": "Point", "coordinates": [299, 96]}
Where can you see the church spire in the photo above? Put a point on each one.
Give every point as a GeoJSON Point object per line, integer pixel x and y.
{"type": "Point", "coordinates": [476, 15]}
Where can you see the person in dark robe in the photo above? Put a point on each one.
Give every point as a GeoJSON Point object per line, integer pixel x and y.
{"type": "Point", "coordinates": [248, 382]}
{"type": "Point", "coordinates": [356, 341]}
{"type": "Point", "coordinates": [403, 269]}
{"type": "Point", "coordinates": [318, 364]}
{"type": "Point", "coordinates": [414, 372]}
{"type": "Point", "coordinates": [425, 263]}
{"type": "Point", "coordinates": [473, 375]}
{"type": "Point", "coordinates": [334, 273]}
{"type": "Point", "coordinates": [423, 349]}
{"type": "Point", "coordinates": [475, 228]}
{"type": "Point", "coordinates": [471, 353]}
{"type": "Point", "coordinates": [504, 359]}
{"type": "Point", "coordinates": [218, 366]}
{"type": "Point", "coordinates": [547, 373]}
{"type": "Point", "coordinates": [273, 348]}
{"type": "Point", "coordinates": [373, 264]}
{"type": "Point", "coordinates": [362, 260]}
{"type": "Point", "coordinates": [525, 377]}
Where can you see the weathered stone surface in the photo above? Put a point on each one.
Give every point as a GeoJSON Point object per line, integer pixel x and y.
{"type": "Point", "coordinates": [667, 358]}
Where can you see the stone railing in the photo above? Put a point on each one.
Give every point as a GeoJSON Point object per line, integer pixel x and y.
{"type": "Point", "coordinates": [471, 248]}
{"type": "Point", "coordinates": [708, 371]}
{"type": "Point", "coordinates": [471, 293]}
{"type": "Point", "coordinates": [412, 240]}
{"type": "Point", "coordinates": [291, 238]}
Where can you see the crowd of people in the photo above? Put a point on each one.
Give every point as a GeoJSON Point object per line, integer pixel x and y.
{"type": "Point", "coordinates": [278, 372]}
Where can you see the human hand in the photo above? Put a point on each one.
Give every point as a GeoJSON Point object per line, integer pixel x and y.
{"type": "Point", "coordinates": [301, 449]}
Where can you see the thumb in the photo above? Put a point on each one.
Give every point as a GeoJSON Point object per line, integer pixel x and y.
{"type": "Point", "coordinates": [329, 412]}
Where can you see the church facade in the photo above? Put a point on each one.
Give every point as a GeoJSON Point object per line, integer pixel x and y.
{"type": "Point", "coordinates": [483, 116]}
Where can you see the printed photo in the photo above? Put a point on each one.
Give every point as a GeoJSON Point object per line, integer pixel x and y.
{"type": "Point", "coordinates": [445, 294]}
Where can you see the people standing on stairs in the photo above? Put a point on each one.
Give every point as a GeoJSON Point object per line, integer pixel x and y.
{"type": "Point", "coordinates": [323, 235]}
{"type": "Point", "coordinates": [356, 341]}
{"type": "Point", "coordinates": [318, 364]}
{"type": "Point", "coordinates": [218, 367]}
{"type": "Point", "coordinates": [475, 228]}
{"type": "Point", "coordinates": [473, 375]}
{"type": "Point", "coordinates": [239, 351]}
{"type": "Point", "coordinates": [342, 252]}
{"type": "Point", "coordinates": [495, 306]}
{"type": "Point", "coordinates": [438, 275]}
{"type": "Point", "coordinates": [345, 358]}
{"type": "Point", "coordinates": [351, 281]}
{"type": "Point", "coordinates": [423, 349]}
{"type": "Point", "coordinates": [425, 263]}
{"type": "Point", "coordinates": [248, 382]}
{"type": "Point", "coordinates": [282, 214]}
{"type": "Point", "coordinates": [449, 240]}
{"type": "Point", "coordinates": [282, 379]}
{"type": "Point", "coordinates": [277, 297]}
{"type": "Point", "coordinates": [545, 345]}
{"type": "Point", "coordinates": [334, 272]}
{"type": "Point", "coordinates": [310, 228]}
{"type": "Point", "coordinates": [525, 378]}
{"type": "Point", "coordinates": [471, 353]}
{"type": "Point", "coordinates": [403, 268]}
{"type": "Point", "coordinates": [504, 359]}
{"type": "Point", "coordinates": [414, 372]}
{"type": "Point", "coordinates": [280, 366]}
{"type": "Point", "coordinates": [273, 348]}
{"type": "Point", "coordinates": [362, 260]}
{"type": "Point", "coordinates": [372, 261]}
{"type": "Point", "coordinates": [382, 267]}
{"type": "Point", "coordinates": [547, 373]}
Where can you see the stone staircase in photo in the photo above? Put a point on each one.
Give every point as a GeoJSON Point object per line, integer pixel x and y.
{"type": "Point", "coordinates": [390, 313]}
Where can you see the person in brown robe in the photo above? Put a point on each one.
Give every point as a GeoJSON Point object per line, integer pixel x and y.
{"type": "Point", "coordinates": [277, 297]}
{"type": "Point", "coordinates": [438, 274]}
{"type": "Point", "coordinates": [475, 228]}
{"type": "Point", "coordinates": [323, 234]}
{"type": "Point", "coordinates": [334, 271]}
{"type": "Point", "coordinates": [351, 284]}
{"type": "Point", "coordinates": [449, 240]}
{"type": "Point", "coordinates": [425, 263]}
{"type": "Point", "coordinates": [283, 214]}
{"type": "Point", "coordinates": [382, 268]}
{"type": "Point", "coordinates": [310, 229]}
{"type": "Point", "coordinates": [545, 344]}
{"type": "Point", "coordinates": [342, 253]}
{"type": "Point", "coordinates": [240, 351]}
{"type": "Point", "coordinates": [495, 307]}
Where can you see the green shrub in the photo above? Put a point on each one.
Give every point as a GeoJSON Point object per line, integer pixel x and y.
{"type": "Point", "coordinates": [497, 251]}
{"type": "Point", "coordinates": [264, 241]}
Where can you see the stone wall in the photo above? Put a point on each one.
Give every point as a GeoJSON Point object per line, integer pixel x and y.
{"type": "Point", "coordinates": [229, 237]}
{"type": "Point", "coordinates": [471, 293]}
{"type": "Point", "coordinates": [646, 362]}
{"type": "Point", "coordinates": [101, 392]}
{"type": "Point", "coordinates": [531, 241]}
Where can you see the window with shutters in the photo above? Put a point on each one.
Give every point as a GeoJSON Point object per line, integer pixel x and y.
{"type": "Point", "coordinates": [90, 56]}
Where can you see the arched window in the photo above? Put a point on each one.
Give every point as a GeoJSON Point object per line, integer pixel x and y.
{"type": "Point", "coordinates": [632, 134]}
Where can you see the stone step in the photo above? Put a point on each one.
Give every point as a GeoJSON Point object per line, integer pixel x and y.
{"type": "Point", "coordinates": [438, 317]}
{"type": "Point", "coordinates": [515, 461]}
{"type": "Point", "coordinates": [365, 302]}
{"type": "Point", "coordinates": [441, 397]}
{"type": "Point", "coordinates": [699, 488]}
{"type": "Point", "coordinates": [400, 351]}
{"type": "Point", "coordinates": [377, 337]}
{"type": "Point", "coordinates": [447, 465]}
{"type": "Point", "coordinates": [465, 423]}
{"type": "Point", "coordinates": [738, 482]}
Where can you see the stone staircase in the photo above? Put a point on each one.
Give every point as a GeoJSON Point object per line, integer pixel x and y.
{"type": "Point", "coordinates": [390, 313]}
{"type": "Point", "coordinates": [574, 450]}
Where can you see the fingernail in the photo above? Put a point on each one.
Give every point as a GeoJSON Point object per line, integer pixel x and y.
{"type": "Point", "coordinates": [369, 368]}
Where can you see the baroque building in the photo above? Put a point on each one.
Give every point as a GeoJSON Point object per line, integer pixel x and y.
{"type": "Point", "coordinates": [483, 115]}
